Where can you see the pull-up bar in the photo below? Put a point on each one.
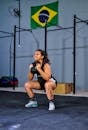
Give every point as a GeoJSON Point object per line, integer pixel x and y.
{"type": "Point", "coordinates": [80, 20]}
{"type": "Point", "coordinates": [9, 34]}
{"type": "Point", "coordinates": [6, 32]}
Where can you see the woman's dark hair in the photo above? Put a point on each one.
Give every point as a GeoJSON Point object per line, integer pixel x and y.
{"type": "Point", "coordinates": [43, 53]}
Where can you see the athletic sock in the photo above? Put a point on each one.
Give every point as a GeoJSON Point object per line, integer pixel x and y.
{"type": "Point", "coordinates": [52, 100]}
{"type": "Point", "coordinates": [33, 99]}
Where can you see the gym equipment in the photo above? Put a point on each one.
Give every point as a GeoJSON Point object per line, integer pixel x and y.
{"type": "Point", "coordinates": [8, 81]}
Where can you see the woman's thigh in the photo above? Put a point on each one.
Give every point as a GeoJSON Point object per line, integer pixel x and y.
{"type": "Point", "coordinates": [50, 84]}
{"type": "Point", "coordinates": [34, 85]}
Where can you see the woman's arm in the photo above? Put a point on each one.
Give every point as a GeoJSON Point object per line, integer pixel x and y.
{"type": "Point", "coordinates": [30, 75]}
{"type": "Point", "coordinates": [46, 72]}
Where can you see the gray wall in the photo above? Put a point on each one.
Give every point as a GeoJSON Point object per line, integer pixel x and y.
{"type": "Point", "coordinates": [59, 43]}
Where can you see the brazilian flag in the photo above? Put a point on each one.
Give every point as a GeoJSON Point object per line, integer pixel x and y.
{"type": "Point", "coordinates": [44, 15]}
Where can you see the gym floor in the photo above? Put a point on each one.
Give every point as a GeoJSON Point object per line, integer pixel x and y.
{"type": "Point", "coordinates": [71, 112]}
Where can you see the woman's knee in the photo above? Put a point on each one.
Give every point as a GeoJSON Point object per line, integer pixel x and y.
{"type": "Point", "coordinates": [48, 87]}
{"type": "Point", "coordinates": [27, 86]}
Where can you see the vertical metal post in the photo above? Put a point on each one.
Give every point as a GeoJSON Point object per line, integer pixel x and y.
{"type": "Point", "coordinates": [14, 54]}
{"type": "Point", "coordinates": [46, 37]}
{"type": "Point", "coordinates": [19, 20]}
{"type": "Point", "coordinates": [74, 54]}
{"type": "Point", "coordinates": [10, 60]}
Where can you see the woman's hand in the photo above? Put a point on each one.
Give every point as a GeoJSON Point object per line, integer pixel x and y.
{"type": "Point", "coordinates": [38, 66]}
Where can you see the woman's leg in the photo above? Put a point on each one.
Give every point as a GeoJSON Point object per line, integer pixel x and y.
{"type": "Point", "coordinates": [29, 86]}
{"type": "Point", "coordinates": [49, 87]}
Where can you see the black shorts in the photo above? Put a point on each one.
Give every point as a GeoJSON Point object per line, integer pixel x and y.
{"type": "Point", "coordinates": [42, 82]}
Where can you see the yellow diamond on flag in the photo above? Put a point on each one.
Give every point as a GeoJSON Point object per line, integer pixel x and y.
{"type": "Point", "coordinates": [49, 14]}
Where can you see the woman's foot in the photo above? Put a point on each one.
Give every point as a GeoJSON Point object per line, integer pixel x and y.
{"type": "Point", "coordinates": [32, 104]}
{"type": "Point", "coordinates": [51, 106]}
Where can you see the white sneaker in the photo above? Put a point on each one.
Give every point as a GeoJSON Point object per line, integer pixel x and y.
{"type": "Point", "coordinates": [51, 106]}
{"type": "Point", "coordinates": [32, 104]}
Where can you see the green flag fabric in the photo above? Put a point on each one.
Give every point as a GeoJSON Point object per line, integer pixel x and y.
{"type": "Point", "coordinates": [44, 15]}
